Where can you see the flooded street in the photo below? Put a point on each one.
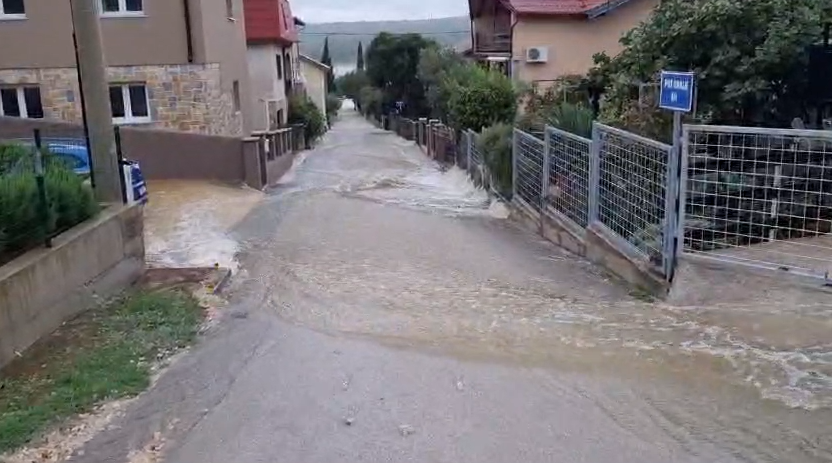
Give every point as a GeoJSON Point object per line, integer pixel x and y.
{"type": "Point", "coordinates": [395, 314]}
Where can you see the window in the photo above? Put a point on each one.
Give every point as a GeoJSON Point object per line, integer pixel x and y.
{"type": "Point", "coordinates": [12, 9]}
{"type": "Point", "coordinates": [236, 95]}
{"type": "Point", "coordinates": [229, 8]}
{"type": "Point", "coordinates": [129, 103]}
{"type": "Point", "coordinates": [122, 7]}
{"type": "Point", "coordinates": [21, 102]}
{"type": "Point", "coordinates": [279, 59]}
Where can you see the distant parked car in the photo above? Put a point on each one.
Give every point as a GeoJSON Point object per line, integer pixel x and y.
{"type": "Point", "coordinates": [71, 150]}
{"type": "Point", "coordinates": [74, 152]}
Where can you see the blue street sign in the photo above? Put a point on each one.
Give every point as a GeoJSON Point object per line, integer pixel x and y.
{"type": "Point", "coordinates": [677, 91]}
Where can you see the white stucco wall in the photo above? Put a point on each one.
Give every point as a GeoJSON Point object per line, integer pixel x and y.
{"type": "Point", "coordinates": [315, 78]}
{"type": "Point", "coordinates": [266, 85]}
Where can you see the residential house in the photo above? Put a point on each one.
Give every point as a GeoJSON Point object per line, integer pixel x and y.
{"type": "Point", "coordinates": [173, 64]}
{"type": "Point", "coordinates": [315, 80]}
{"type": "Point", "coordinates": [273, 60]}
{"type": "Point", "coordinates": [537, 41]}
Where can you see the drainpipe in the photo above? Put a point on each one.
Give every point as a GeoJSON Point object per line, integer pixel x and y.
{"type": "Point", "coordinates": [189, 36]}
{"type": "Point", "coordinates": [514, 21]}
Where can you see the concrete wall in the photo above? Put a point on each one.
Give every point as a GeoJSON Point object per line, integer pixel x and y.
{"type": "Point", "coordinates": [597, 244]}
{"type": "Point", "coordinates": [266, 85]}
{"type": "Point", "coordinates": [45, 287]}
{"type": "Point", "coordinates": [573, 40]}
{"type": "Point", "coordinates": [170, 154]}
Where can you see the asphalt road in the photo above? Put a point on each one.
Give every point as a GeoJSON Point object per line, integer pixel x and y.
{"type": "Point", "coordinates": [385, 311]}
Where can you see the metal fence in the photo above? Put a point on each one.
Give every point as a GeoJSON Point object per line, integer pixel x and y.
{"type": "Point", "coordinates": [529, 165]}
{"type": "Point", "coordinates": [567, 186]}
{"type": "Point", "coordinates": [632, 190]}
{"type": "Point", "coordinates": [759, 198]}
{"type": "Point", "coordinates": [618, 181]}
{"type": "Point", "coordinates": [44, 190]}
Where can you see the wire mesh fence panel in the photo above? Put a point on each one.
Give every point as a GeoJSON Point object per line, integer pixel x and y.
{"type": "Point", "coordinates": [568, 187]}
{"type": "Point", "coordinates": [476, 164]}
{"type": "Point", "coordinates": [529, 156]}
{"type": "Point", "coordinates": [759, 197]}
{"type": "Point", "coordinates": [632, 189]}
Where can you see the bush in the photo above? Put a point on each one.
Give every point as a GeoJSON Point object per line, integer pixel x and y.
{"type": "Point", "coordinates": [480, 98]}
{"type": "Point", "coordinates": [333, 105]}
{"type": "Point", "coordinates": [573, 118]}
{"type": "Point", "coordinates": [495, 145]}
{"type": "Point", "coordinates": [11, 155]}
{"type": "Point", "coordinates": [371, 100]}
{"type": "Point", "coordinates": [22, 220]}
{"type": "Point", "coordinates": [303, 111]}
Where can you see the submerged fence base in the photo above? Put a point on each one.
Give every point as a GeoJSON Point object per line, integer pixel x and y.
{"type": "Point", "coordinates": [597, 244]}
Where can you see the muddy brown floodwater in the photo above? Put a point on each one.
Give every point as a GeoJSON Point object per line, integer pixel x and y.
{"type": "Point", "coordinates": [367, 240]}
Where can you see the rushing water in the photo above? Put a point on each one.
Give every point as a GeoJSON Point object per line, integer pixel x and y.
{"type": "Point", "coordinates": [368, 237]}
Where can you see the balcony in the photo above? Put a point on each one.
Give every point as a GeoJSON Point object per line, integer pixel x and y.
{"type": "Point", "coordinates": [492, 42]}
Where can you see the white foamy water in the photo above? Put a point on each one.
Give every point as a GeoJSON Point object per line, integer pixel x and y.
{"type": "Point", "coordinates": [448, 192]}
{"type": "Point", "coordinates": [188, 224]}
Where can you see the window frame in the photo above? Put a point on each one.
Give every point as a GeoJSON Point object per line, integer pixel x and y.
{"type": "Point", "coordinates": [128, 104]}
{"type": "Point", "coordinates": [122, 12]}
{"type": "Point", "coordinates": [11, 16]}
{"type": "Point", "coordinates": [20, 93]}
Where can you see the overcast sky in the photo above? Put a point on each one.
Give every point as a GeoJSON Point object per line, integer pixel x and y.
{"type": "Point", "coordinates": [318, 11]}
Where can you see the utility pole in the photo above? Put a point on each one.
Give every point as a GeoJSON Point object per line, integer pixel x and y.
{"type": "Point", "coordinates": [96, 101]}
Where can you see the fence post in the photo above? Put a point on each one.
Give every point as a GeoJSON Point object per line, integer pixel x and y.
{"type": "Point", "coordinates": [594, 175]}
{"type": "Point", "coordinates": [514, 151]}
{"type": "Point", "coordinates": [120, 156]}
{"type": "Point", "coordinates": [43, 203]}
{"type": "Point", "coordinates": [544, 180]}
{"type": "Point", "coordinates": [469, 156]}
{"type": "Point", "coordinates": [679, 241]}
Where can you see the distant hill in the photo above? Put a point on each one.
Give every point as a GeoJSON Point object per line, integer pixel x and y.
{"type": "Point", "coordinates": [344, 37]}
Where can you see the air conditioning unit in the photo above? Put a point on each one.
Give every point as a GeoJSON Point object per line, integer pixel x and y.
{"type": "Point", "coordinates": [537, 54]}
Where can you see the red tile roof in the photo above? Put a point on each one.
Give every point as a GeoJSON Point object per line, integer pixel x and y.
{"type": "Point", "coordinates": [269, 21]}
{"type": "Point", "coordinates": [555, 7]}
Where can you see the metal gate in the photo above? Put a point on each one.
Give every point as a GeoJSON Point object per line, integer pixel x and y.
{"type": "Point", "coordinates": [758, 197]}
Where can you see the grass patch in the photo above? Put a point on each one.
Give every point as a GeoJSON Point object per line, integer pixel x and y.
{"type": "Point", "coordinates": [103, 355]}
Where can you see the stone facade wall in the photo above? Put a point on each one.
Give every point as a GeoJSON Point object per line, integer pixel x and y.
{"type": "Point", "coordinates": [182, 97]}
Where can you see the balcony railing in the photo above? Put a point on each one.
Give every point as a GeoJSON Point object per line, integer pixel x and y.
{"type": "Point", "coordinates": [495, 42]}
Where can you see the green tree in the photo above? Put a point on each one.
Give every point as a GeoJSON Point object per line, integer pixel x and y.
{"type": "Point", "coordinates": [326, 59]}
{"type": "Point", "coordinates": [351, 83]}
{"type": "Point", "coordinates": [750, 57]}
{"type": "Point", "coordinates": [480, 98]}
{"type": "Point", "coordinates": [437, 66]}
{"type": "Point", "coordinates": [392, 66]}
{"type": "Point", "coordinates": [359, 62]}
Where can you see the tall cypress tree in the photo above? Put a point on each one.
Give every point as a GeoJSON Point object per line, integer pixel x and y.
{"type": "Point", "coordinates": [359, 65]}
{"type": "Point", "coordinates": [326, 59]}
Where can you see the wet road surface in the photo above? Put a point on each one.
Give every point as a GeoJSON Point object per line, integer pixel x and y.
{"type": "Point", "coordinates": [387, 311]}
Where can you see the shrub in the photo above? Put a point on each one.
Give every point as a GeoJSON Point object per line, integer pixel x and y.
{"type": "Point", "coordinates": [480, 98]}
{"type": "Point", "coordinates": [573, 118]}
{"type": "Point", "coordinates": [22, 222]}
{"type": "Point", "coordinates": [11, 155]}
{"type": "Point", "coordinates": [371, 100]}
{"type": "Point", "coordinates": [495, 145]}
{"type": "Point", "coordinates": [333, 105]}
{"type": "Point", "coordinates": [302, 110]}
